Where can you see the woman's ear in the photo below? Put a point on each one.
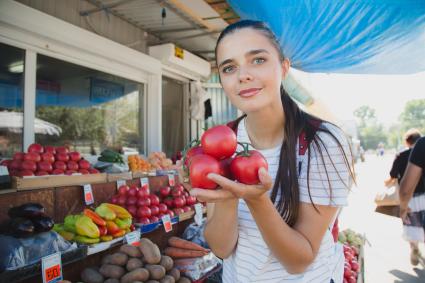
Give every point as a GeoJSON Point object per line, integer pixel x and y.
{"type": "Point", "coordinates": [286, 64]}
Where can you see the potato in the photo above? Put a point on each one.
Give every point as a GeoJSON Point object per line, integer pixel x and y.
{"type": "Point", "coordinates": [156, 271]}
{"type": "Point", "coordinates": [152, 281]}
{"type": "Point", "coordinates": [112, 280]}
{"type": "Point", "coordinates": [134, 263]}
{"type": "Point", "coordinates": [90, 275]}
{"type": "Point", "coordinates": [131, 251]}
{"type": "Point", "coordinates": [175, 273]}
{"type": "Point", "coordinates": [139, 274]}
{"type": "Point", "coordinates": [168, 279]}
{"type": "Point", "coordinates": [184, 280]}
{"type": "Point", "coordinates": [118, 259]}
{"type": "Point", "coordinates": [167, 262]}
{"type": "Point", "coordinates": [150, 251]}
{"type": "Point", "coordinates": [112, 271]}
{"type": "Point", "coordinates": [106, 259]}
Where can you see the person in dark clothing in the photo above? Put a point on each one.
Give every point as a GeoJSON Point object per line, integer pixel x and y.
{"type": "Point", "coordinates": [397, 172]}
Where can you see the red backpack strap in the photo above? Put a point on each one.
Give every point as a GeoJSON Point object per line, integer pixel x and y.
{"type": "Point", "coordinates": [304, 139]}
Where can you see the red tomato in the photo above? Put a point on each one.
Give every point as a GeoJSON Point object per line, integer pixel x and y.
{"type": "Point", "coordinates": [35, 147]}
{"type": "Point", "coordinates": [59, 165]}
{"type": "Point", "coordinates": [62, 149]}
{"type": "Point", "coordinates": [351, 279]}
{"type": "Point", "coordinates": [48, 157]}
{"type": "Point", "coordinates": [24, 172]}
{"type": "Point", "coordinates": [131, 200]}
{"type": "Point", "coordinates": [50, 149]}
{"type": "Point", "coordinates": [122, 190]}
{"type": "Point", "coordinates": [93, 171]}
{"type": "Point", "coordinates": [144, 211]}
{"type": "Point", "coordinates": [219, 142]}
{"type": "Point", "coordinates": [168, 202]}
{"type": "Point", "coordinates": [58, 171]}
{"type": "Point", "coordinates": [171, 213]}
{"type": "Point", "coordinates": [144, 220]}
{"type": "Point", "coordinates": [29, 165]}
{"type": "Point", "coordinates": [132, 192]}
{"type": "Point", "coordinates": [178, 211]}
{"type": "Point", "coordinates": [200, 166]}
{"type": "Point", "coordinates": [62, 157]}
{"type": "Point", "coordinates": [84, 171]}
{"type": "Point", "coordinates": [225, 168]}
{"type": "Point", "coordinates": [153, 219]}
{"type": "Point", "coordinates": [72, 165]}
{"type": "Point", "coordinates": [178, 202]}
{"type": "Point", "coordinates": [122, 200]}
{"type": "Point", "coordinates": [84, 164]}
{"type": "Point", "coordinates": [176, 193]}
{"type": "Point", "coordinates": [164, 191]}
{"type": "Point", "coordinates": [70, 172]}
{"type": "Point", "coordinates": [18, 156]}
{"type": "Point", "coordinates": [190, 200]}
{"type": "Point", "coordinates": [114, 199]}
{"type": "Point", "coordinates": [154, 199]}
{"type": "Point", "coordinates": [144, 201]}
{"type": "Point", "coordinates": [355, 265]}
{"type": "Point", "coordinates": [32, 156]}
{"type": "Point", "coordinates": [191, 153]}
{"type": "Point", "coordinates": [15, 165]}
{"type": "Point", "coordinates": [186, 208]}
{"type": "Point", "coordinates": [74, 156]}
{"type": "Point", "coordinates": [245, 168]}
{"type": "Point", "coordinates": [154, 209]}
{"type": "Point", "coordinates": [44, 166]}
{"type": "Point", "coordinates": [162, 208]}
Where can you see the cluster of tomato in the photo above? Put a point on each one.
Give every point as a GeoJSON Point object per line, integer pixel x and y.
{"type": "Point", "coordinates": [217, 154]}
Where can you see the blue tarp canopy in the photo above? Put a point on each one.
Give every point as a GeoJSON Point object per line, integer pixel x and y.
{"type": "Point", "coordinates": [345, 36]}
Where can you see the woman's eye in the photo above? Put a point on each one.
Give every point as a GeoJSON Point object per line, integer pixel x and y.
{"type": "Point", "coordinates": [228, 69]}
{"type": "Point", "coordinates": [259, 60]}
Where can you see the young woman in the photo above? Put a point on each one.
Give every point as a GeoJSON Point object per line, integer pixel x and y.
{"type": "Point", "coordinates": [278, 230]}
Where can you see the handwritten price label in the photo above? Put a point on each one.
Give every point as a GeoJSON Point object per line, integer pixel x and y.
{"type": "Point", "coordinates": [121, 183]}
{"type": "Point", "coordinates": [171, 180]}
{"type": "Point", "coordinates": [133, 238]}
{"type": "Point", "coordinates": [144, 182]}
{"type": "Point", "coordinates": [88, 194]}
{"type": "Point", "coordinates": [51, 267]}
{"type": "Point", "coordinates": [166, 221]}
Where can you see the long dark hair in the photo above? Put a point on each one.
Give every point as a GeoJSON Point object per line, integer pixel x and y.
{"type": "Point", "coordinates": [286, 191]}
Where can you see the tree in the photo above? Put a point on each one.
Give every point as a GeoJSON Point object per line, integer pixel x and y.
{"type": "Point", "coordinates": [365, 115]}
{"type": "Point", "coordinates": [371, 132]}
{"type": "Point", "coordinates": [413, 115]}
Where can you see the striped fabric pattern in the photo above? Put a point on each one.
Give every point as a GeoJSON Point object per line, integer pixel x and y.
{"type": "Point", "coordinates": [252, 261]}
{"type": "Point", "coordinates": [415, 230]}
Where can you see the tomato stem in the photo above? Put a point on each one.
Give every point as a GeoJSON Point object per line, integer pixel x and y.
{"type": "Point", "coordinates": [245, 149]}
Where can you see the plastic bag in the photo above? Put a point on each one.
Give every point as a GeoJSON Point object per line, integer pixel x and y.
{"type": "Point", "coordinates": [196, 268]}
{"type": "Point", "coordinates": [16, 253]}
{"type": "Point", "coordinates": [195, 234]}
{"type": "Point", "coordinates": [107, 167]}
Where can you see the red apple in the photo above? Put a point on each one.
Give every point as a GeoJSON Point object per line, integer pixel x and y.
{"type": "Point", "coordinates": [84, 171]}
{"type": "Point", "coordinates": [132, 209]}
{"type": "Point", "coordinates": [58, 171]}
{"type": "Point", "coordinates": [50, 149]}
{"type": "Point", "coordinates": [84, 164]}
{"type": "Point", "coordinates": [15, 165]}
{"type": "Point", "coordinates": [144, 211]}
{"type": "Point", "coordinates": [132, 191]}
{"type": "Point", "coordinates": [59, 165]}
{"type": "Point", "coordinates": [74, 156]}
{"type": "Point", "coordinates": [190, 200]}
{"type": "Point", "coordinates": [48, 157]}
{"type": "Point", "coordinates": [165, 191]}
{"type": "Point", "coordinates": [25, 172]}
{"type": "Point", "coordinates": [32, 156]}
{"type": "Point", "coordinates": [153, 219]}
{"type": "Point", "coordinates": [178, 202]}
{"type": "Point", "coordinates": [143, 220]}
{"type": "Point", "coordinates": [19, 156]}
{"type": "Point", "coordinates": [178, 211]}
{"type": "Point", "coordinates": [168, 201]}
{"type": "Point", "coordinates": [44, 166]}
{"type": "Point", "coordinates": [162, 208]}
{"type": "Point", "coordinates": [62, 157]}
{"type": "Point", "coordinates": [29, 165]}
{"type": "Point", "coordinates": [41, 173]}
{"type": "Point", "coordinates": [62, 149]}
{"type": "Point", "coordinates": [145, 201]}
{"type": "Point", "coordinates": [93, 171]}
{"type": "Point", "coordinates": [154, 209]}
{"type": "Point", "coordinates": [154, 199]}
{"type": "Point", "coordinates": [35, 147]}
{"type": "Point", "coordinates": [72, 165]}
{"type": "Point", "coordinates": [122, 200]}
{"type": "Point", "coordinates": [122, 190]}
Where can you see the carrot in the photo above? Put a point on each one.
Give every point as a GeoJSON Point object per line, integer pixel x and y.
{"type": "Point", "coordinates": [182, 253]}
{"type": "Point", "coordinates": [177, 242]}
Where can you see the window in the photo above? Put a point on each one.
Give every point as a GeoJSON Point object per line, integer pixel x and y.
{"type": "Point", "coordinates": [11, 99]}
{"type": "Point", "coordinates": [87, 109]}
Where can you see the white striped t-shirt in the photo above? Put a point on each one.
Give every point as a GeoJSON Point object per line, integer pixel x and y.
{"type": "Point", "coordinates": [252, 260]}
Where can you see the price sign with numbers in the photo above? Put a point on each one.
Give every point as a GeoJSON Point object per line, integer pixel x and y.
{"type": "Point", "coordinates": [171, 180]}
{"type": "Point", "coordinates": [51, 268]}
{"type": "Point", "coordinates": [166, 221]}
{"type": "Point", "coordinates": [133, 238]}
{"type": "Point", "coordinates": [88, 194]}
{"type": "Point", "coordinates": [198, 214]}
{"type": "Point", "coordinates": [144, 182]}
{"type": "Point", "coordinates": [121, 183]}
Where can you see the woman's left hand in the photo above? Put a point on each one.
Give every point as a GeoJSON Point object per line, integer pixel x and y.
{"type": "Point", "coordinates": [231, 189]}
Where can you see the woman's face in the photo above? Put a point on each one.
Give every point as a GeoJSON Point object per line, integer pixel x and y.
{"type": "Point", "coordinates": [250, 69]}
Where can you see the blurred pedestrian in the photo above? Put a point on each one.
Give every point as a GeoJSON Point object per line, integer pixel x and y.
{"type": "Point", "coordinates": [412, 198]}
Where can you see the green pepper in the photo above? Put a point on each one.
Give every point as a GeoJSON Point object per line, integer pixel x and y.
{"type": "Point", "coordinates": [105, 212]}
{"type": "Point", "coordinates": [69, 223]}
{"type": "Point", "coordinates": [86, 227]}
{"type": "Point", "coordinates": [86, 240]}
{"type": "Point", "coordinates": [123, 223]}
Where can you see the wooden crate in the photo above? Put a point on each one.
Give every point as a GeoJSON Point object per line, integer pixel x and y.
{"type": "Point", "coordinates": [54, 181]}
{"type": "Point", "coordinates": [119, 176]}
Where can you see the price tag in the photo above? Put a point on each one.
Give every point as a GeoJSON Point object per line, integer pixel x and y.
{"type": "Point", "coordinates": [198, 214]}
{"type": "Point", "coordinates": [166, 221]}
{"type": "Point", "coordinates": [88, 194]}
{"type": "Point", "coordinates": [171, 180]}
{"type": "Point", "coordinates": [121, 183]}
{"type": "Point", "coordinates": [51, 268]}
{"type": "Point", "coordinates": [3, 171]}
{"type": "Point", "coordinates": [133, 238]}
{"type": "Point", "coordinates": [144, 182]}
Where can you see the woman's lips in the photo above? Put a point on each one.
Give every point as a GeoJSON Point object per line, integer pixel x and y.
{"type": "Point", "coordinates": [249, 92]}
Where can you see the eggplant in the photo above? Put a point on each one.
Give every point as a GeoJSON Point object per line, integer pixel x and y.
{"type": "Point", "coordinates": [27, 210]}
{"type": "Point", "coordinates": [43, 223]}
{"type": "Point", "coordinates": [21, 227]}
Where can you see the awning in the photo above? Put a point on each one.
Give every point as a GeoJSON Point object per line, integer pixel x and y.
{"type": "Point", "coordinates": [13, 122]}
{"type": "Point", "coordinates": [345, 36]}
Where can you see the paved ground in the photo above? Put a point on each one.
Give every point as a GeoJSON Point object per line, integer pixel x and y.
{"type": "Point", "coordinates": [387, 257]}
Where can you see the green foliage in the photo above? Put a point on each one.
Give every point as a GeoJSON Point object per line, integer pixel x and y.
{"type": "Point", "coordinates": [413, 115]}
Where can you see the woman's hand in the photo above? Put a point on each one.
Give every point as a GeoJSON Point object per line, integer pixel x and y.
{"type": "Point", "coordinates": [403, 214]}
{"type": "Point", "coordinates": [230, 189]}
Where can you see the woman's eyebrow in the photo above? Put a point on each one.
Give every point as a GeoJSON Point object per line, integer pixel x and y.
{"type": "Point", "coordinates": [249, 53]}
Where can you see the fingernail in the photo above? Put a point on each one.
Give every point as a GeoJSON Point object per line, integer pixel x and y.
{"type": "Point", "coordinates": [193, 192]}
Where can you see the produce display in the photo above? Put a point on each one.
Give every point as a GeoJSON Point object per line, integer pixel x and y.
{"type": "Point", "coordinates": [107, 222]}
{"type": "Point", "coordinates": [110, 156]}
{"type": "Point", "coordinates": [135, 264]}
{"type": "Point", "coordinates": [47, 160]}
{"type": "Point", "coordinates": [180, 248]}
{"type": "Point", "coordinates": [159, 161]}
{"type": "Point", "coordinates": [352, 245]}
{"type": "Point", "coordinates": [216, 153]}
{"type": "Point", "coordinates": [27, 220]}
{"type": "Point", "coordinates": [138, 164]}
{"type": "Point", "coordinates": [147, 207]}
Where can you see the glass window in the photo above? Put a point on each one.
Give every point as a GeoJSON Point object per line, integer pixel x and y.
{"type": "Point", "coordinates": [11, 99]}
{"type": "Point", "coordinates": [87, 109]}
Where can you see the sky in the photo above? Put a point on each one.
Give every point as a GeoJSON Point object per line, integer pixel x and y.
{"type": "Point", "coordinates": [343, 93]}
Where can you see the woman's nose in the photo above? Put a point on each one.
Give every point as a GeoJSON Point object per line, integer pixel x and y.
{"type": "Point", "coordinates": [244, 75]}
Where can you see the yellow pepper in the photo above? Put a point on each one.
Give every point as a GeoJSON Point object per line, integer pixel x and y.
{"type": "Point", "coordinates": [86, 227]}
